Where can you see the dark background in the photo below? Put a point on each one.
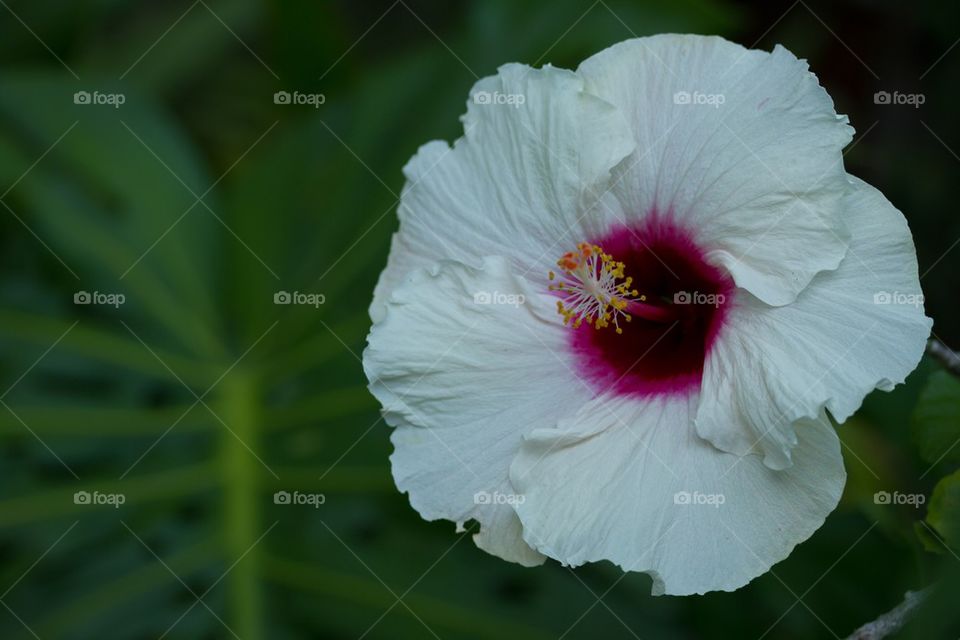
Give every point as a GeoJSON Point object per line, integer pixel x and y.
{"type": "Point", "coordinates": [198, 398]}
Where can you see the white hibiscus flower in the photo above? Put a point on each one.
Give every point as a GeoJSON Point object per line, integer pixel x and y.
{"type": "Point", "coordinates": [618, 310]}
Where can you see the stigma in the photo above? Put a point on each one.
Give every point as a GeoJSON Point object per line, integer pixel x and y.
{"type": "Point", "coordinates": [593, 289]}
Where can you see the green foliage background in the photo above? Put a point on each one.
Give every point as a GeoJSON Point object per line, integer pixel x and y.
{"type": "Point", "coordinates": [199, 198]}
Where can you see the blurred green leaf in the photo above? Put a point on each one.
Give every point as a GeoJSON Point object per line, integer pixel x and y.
{"type": "Point", "coordinates": [928, 538]}
{"type": "Point", "coordinates": [936, 419]}
{"type": "Point", "coordinates": [943, 514]}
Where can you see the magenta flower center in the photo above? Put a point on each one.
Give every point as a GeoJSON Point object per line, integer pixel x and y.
{"type": "Point", "coordinates": [644, 308]}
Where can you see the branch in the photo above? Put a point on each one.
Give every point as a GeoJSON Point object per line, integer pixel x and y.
{"type": "Point", "coordinates": [944, 355]}
{"type": "Point", "coordinates": [893, 620]}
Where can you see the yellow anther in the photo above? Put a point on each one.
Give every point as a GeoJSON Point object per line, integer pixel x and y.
{"type": "Point", "coordinates": [594, 286]}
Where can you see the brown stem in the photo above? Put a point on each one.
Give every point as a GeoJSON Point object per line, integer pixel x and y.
{"type": "Point", "coordinates": [893, 620]}
{"type": "Point", "coordinates": [944, 355]}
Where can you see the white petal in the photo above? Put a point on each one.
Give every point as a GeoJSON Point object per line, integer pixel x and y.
{"type": "Point", "coordinates": [462, 382]}
{"type": "Point", "coordinates": [759, 177]}
{"type": "Point", "coordinates": [830, 348]}
{"type": "Point", "coordinates": [606, 486]}
{"type": "Point", "coordinates": [401, 263]}
{"type": "Point", "coordinates": [522, 182]}
{"type": "Point", "coordinates": [502, 536]}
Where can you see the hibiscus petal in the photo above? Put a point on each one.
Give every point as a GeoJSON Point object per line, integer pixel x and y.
{"type": "Point", "coordinates": [760, 175]}
{"type": "Point", "coordinates": [830, 348]}
{"type": "Point", "coordinates": [523, 182]}
{"type": "Point", "coordinates": [462, 380]}
{"type": "Point", "coordinates": [631, 482]}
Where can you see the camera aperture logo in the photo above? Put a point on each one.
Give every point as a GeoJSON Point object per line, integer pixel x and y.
{"type": "Point", "coordinates": [699, 98]}
{"type": "Point", "coordinates": [485, 497]}
{"type": "Point", "coordinates": [696, 498]}
{"type": "Point", "coordinates": [299, 499]}
{"type": "Point", "coordinates": [516, 100]}
{"type": "Point", "coordinates": [96, 498]}
{"type": "Point", "coordinates": [914, 500]}
{"type": "Point", "coordinates": [896, 98]}
{"type": "Point", "coordinates": [695, 297]}
{"type": "Point", "coordinates": [896, 297]}
{"type": "Point", "coordinates": [297, 297]}
{"type": "Point", "coordinates": [114, 100]}
{"type": "Point", "coordinates": [496, 297]}
{"type": "Point", "coordinates": [97, 298]}
{"type": "Point", "coordinates": [296, 98]}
